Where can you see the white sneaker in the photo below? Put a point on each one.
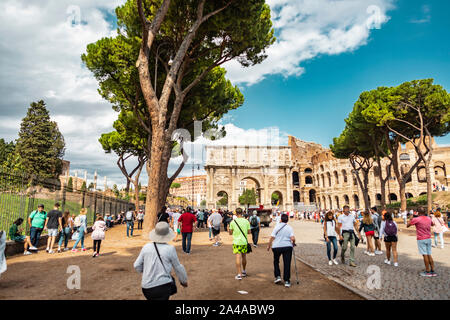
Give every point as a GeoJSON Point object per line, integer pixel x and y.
{"type": "Point", "coordinates": [238, 277]}
{"type": "Point", "coordinates": [335, 262]}
{"type": "Point", "coordinates": [330, 263]}
{"type": "Point", "coordinates": [32, 248]}
{"type": "Point", "coordinates": [378, 252]}
{"type": "Point", "coordinates": [277, 280]}
{"type": "Point", "coordinates": [433, 245]}
{"type": "Point", "coordinates": [387, 261]}
{"type": "Point", "coordinates": [26, 253]}
{"type": "Point", "coordinates": [51, 251]}
{"type": "Point", "coordinates": [371, 254]}
{"type": "Point", "coordinates": [366, 252]}
{"type": "Point", "coordinates": [215, 244]}
{"type": "Point", "coordinates": [395, 264]}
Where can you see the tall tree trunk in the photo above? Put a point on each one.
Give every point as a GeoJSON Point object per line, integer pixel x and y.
{"type": "Point", "coordinates": [427, 162]}
{"type": "Point", "coordinates": [136, 193]}
{"type": "Point", "coordinates": [402, 190]}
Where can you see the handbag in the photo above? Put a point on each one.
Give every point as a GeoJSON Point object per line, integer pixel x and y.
{"type": "Point", "coordinates": [173, 285]}
{"type": "Point", "coordinates": [444, 228]}
{"type": "Point", "coordinates": [249, 247]}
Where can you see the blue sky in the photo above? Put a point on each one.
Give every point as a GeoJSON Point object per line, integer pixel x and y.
{"type": "Point", "coordinates": [313, 106]}
{"type": "Point", "coordinates": [327, 52]}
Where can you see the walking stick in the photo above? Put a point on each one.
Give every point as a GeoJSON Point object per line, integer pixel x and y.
{"type": "Point", "coordinates": [295, 264]}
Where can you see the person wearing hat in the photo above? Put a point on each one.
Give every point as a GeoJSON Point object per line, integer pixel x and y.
{"type": "Point", "coordinates": [36, 221]}
{"type": "Point", "coordinates": [255, 225]}
{"type": "Point", "coordinates": [155, 262]}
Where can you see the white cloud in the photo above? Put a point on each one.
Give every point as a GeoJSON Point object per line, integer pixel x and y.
{"type": "Point", "coordinates": [426, 15]}
{"type": "Point", "coordinates": [306, 29]}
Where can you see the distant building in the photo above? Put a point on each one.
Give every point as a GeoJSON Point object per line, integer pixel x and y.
{"type": "Point", "coordinates": [185, 190]}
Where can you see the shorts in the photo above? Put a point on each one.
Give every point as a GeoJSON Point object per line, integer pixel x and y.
{"type": "Point", "coordinates": [237, 248]}
{"type": "Point", "coordinates": [52, 232]}
{"type": "Point", "coordinates": [390, 239]}
{"type": "Point", "coordinates": [424, 247]}
{"type": "Point", "coordinates": [370, 233]}
{"type": "Point", "coordinates": [215, 231]}
{"type": "Point", "coordinates": [19, 238]}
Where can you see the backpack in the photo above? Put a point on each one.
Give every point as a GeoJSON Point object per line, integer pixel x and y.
{"type": "Point", "coordinates": [390, 228]}
{"type": "Point", "coordinates": [254, 221]}
{"type": "Point", "coordinates": [77, 222]}
{"type": "Point", "coordinates": [129, 215]}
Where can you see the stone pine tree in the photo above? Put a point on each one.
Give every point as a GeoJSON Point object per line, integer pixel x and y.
{"type": "Point", "coordinates": [202, 36]}
{"type": "Point", "coordinates": [415, 112]}
{"type": "Point", "coordinates": [40, 146]}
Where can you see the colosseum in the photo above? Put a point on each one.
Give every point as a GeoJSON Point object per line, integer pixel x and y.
{"type": "Point", "coordinates": [305, 175]}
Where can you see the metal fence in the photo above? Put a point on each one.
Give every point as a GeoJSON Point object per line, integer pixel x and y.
{"type": "Point", "coordinates": [20, 195]}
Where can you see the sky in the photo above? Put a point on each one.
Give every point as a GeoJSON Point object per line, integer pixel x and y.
{"type": "Point", "coordinates": [327, 52]}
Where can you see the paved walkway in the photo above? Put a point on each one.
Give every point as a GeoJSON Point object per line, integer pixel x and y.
{"type": "Point", "coordinates": [397, 283]}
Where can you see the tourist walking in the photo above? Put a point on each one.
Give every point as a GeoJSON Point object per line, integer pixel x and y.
{"type": "Point", "coordinates": [15, 234]}
{"type": "Point", "coordinates": [239, 229]}
{"type": "Point", "coordinates": [163, 215]}
{"type": "Point", "coordinates": [53, 224]}
{"type": "Point", "coordinates": [438, 228]}
{"type": "Point", "coordinates": [389, 230]}
{"type": "Point", "coordinates": [186, 225]}
{"type": "Point", "coordinates": [130, 217]}
{"type": "Point", "coordinates": [65, 231]}
{"type": "Point", "coordinates": [255, 226]}
{"type": "Point", "coordinates": [81, 225]}
{"type": "Point", "coordinates": [36, 221]}
{"type": "Point", "coordinates": [377, 221]}
{"type": "Point", "coordinates": [330, 234]}
{"type": "Point", "coordinates": [98, 234]}
{"type": "Point", "coordinates": [215, 220]}
{"type": "Point", "coordinates": [156, 261]}
{"type": "Point", "coordinates": [226, 220]}
{"type": "Point", "coordinates": [200, 217]}
{"type": "Point", "coordinates": [347, 226]}
{"type": "Point", "coordinates": [423, 225]}
{"type": "Point", "coordinates": [369, 227]}
{"type": "Point", "coordinates": [174, 222]}
{"type": "Point", "coordinates": [140, 219]}
{"type": "Point", "coordinates": [282, 242]}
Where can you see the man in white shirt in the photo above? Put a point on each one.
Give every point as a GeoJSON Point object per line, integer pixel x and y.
{"type": "Point", "coordinates": [347, 226]}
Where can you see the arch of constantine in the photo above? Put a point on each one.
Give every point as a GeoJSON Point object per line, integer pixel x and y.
{"type": "Point", "coordinates": [306, 176]}
{"type": "Point", "coordinates": [269, 168]}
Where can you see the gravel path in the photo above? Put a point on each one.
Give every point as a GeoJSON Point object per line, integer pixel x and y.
{"type": "Point", "coordinates": [397, 283]}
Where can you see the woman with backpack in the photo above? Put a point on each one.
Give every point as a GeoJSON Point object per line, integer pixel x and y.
{"type": "Point", "coordinates": [389, 230]}
{"type": "Point", "coordinates": [438, 228]}
{"type": "Point", "coordinates": [98, 234]}
{"type": "Point", "coordinates": [330, 234]}
{"type": "Point", "coordinates": [81, 225]}
{"type": "Point", "coordinates": [369, 229]}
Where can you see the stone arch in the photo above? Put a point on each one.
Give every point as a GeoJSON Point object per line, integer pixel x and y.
{"type": "Point", "coordinates": [324, 202]}
{"type": "Point", "coordinates": [344, 175]}
{"type": "Point", "coordinates": [346, 200]}
{"type": "Point", "coordinates": [296, 196]}
{"type": "Point", "coordinates": [219, 195]}
{"type": "Point", "coordinates": [329, 179]}
{"type": "Point", "coordinates": [378, 199]}
{"type": "Point", "coordinates": [440, 172]}
{"type": "Point", "coordinates": [393, 197]}
{"type": "Point", "coordinates": [356, 201]}
{"type": "Point", "coordinates": [336, 177]}
{"type": "Point", "coordinates": [421, 174]}
{"type": "Point", "coordinates": [280, 198]}
{"type": "Point", "coordinates": [330, 201]}
{"type": "Point", "coordinates": [295, 178]}
{"type": "Point", "coordinates": [321, 167]}
{"type": "Point", "coordinates": [257, 186]}
{"type": "Point", "coordinates": [409, 195]}
{"type": "Point", "coordinates": [308, 170]}
{"type": "Point", "coordinates": [312, 196]}
{"type": "Point", "coordinates": [323, 180]}
{"type": "Point", "coordinates": [422, 193]}
{"type": "Point", "coordinates": [336, 200]}
{"type": "Point", "coordinates": [308, 180]}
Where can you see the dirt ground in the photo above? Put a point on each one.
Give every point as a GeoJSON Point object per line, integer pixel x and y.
{"type": "Point", "coordinates": [111, 276]}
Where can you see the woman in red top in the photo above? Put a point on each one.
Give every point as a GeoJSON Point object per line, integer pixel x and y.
{"type": "Point", "coordinates": [186, 225]}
